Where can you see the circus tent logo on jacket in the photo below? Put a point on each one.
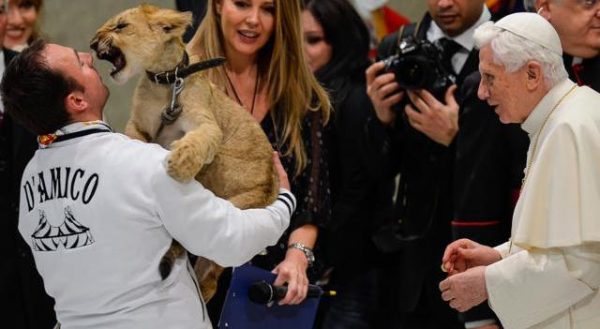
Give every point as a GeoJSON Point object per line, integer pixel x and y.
{"type": "Point", "coordinates": [70, 234]}
{"type": "Point", "coordinates": [74, 184]}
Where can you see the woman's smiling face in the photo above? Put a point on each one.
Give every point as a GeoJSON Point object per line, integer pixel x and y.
{"type": "Point", "coordinates": [247, 25]}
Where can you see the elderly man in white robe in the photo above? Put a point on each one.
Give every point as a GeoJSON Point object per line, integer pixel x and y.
{"type": "Point", "coordinates": [548, 274]}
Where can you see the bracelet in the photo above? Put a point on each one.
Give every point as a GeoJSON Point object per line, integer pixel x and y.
{"type": "Point", "coordinates": [310, 256]}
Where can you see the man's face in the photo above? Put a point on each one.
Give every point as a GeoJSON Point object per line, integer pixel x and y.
{"type": "Point", "coordinates": [503, 90]}
{"type": "Point", "coordinates": [3, 19]}
{"type": "Point", "coordinates": [455, 16]}
{"type": "Point", "coordinates": [80, 67]}
{"type": "Point", "coordinates": [577, 23]}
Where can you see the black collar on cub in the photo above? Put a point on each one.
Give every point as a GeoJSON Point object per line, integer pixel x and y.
{"type": "Point", "coordinates": [183, 69]}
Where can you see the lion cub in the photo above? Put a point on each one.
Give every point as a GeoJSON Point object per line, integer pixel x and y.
{"type": "Point", "coordinates": [214, 139]}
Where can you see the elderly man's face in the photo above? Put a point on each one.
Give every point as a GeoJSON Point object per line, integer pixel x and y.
{"type": "Point", "coordinates": [503, 90]}
{"type": "Point", "coordinates": [455, 16]}
{"type": "Point", "coordinates": [577, 23]}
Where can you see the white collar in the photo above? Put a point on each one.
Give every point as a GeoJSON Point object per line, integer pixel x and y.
{"type": "Point", "coordinates": [542, 110]}
{"type": "Point", "coordinates": [464, 39]}
{"type": "Point", "coordinates": [69, 132]}
{"type": "Point", "coordinates": [78, 126]}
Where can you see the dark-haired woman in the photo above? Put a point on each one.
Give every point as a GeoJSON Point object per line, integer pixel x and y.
{"type": "Point", "coordinates": [337, 48]}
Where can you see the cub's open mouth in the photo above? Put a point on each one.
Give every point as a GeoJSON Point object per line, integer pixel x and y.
{"type": "Point", "coordinates": [113, 55]}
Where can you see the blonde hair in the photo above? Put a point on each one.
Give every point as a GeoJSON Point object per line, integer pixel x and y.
{"type": "Point", "coordinates": [292, 88]}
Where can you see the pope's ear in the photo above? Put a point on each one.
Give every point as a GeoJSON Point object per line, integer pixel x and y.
{"type": "Point", "coordinates": [75, 102]}
{"type": "Point", "coordinates": [543, 8]}
{"type": "Point", "coordinates": [534, 75]}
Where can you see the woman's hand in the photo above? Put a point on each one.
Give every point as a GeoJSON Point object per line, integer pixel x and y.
{"type": "Point", "coordinates": [292, 270]}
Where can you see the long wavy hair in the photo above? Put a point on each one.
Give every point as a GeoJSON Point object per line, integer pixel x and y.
{"type": "Point", "coordinates": [292, 88]}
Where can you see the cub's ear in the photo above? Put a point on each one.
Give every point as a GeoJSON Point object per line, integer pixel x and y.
{"type": "Point", "coordinates": [170, 21]}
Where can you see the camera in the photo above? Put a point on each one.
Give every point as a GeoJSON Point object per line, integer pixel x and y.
{"type": "Point", "coordinates": [419, 64]}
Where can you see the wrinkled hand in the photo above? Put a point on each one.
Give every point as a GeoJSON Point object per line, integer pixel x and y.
{"type": "Point", "coordinates": [384, 92]}
{"type": "Point", "coordinates": [436, 120]}
{"type": "Point", "coordinates": [283, 177]}
{"type": "Point", "coordinates": [293, 271]}
{"type": "Point", "coordinates": [465, 290]}
{"type": "Point", "coordinates": [463, 254]}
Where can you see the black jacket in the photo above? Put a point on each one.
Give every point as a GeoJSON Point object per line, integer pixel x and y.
{"type": "Point", "coordinates": [21, 287]}
{"type": "Point", "coordinates": [361, 193]}
{"type": "Point", "coordinates": [588, 75]}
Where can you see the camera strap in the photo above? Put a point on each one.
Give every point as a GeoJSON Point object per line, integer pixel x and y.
{"type": "Point", "coordinates": [405, 31]}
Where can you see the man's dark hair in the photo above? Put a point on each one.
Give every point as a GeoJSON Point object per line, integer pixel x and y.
{"type": "Point", "coordinates": [34, 94]}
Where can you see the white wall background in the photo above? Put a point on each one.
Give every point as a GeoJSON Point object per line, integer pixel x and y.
{"type": "Point", "coordinates": [413, 9]}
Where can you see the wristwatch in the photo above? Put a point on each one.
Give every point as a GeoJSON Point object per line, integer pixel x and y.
{"type": "Point", "coordinates": [310, 256]}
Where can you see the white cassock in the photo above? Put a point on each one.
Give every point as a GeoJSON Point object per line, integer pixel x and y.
{"type": "Point", "coordinates": [549, 277]}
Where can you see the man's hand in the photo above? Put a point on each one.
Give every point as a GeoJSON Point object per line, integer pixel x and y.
{"type": "Point", "coordinates": [437, 121]}
{"type": "Point", "coordinates": [283, 178]}
{"type": "Point", "coordinates": [293, 271]}
{"type": "Point", "coordinates": [465, 290]}
{"type": "Point", "coordinates": [463, 254]}
{"type": "Point", "coordinates": [384, 92]}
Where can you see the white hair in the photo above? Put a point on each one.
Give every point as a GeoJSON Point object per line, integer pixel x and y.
{"type": "Point", "coordinates": [514, 51]}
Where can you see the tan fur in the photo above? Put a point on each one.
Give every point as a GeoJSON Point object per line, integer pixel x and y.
{"type": "Point", "coordinates": [214, 140]}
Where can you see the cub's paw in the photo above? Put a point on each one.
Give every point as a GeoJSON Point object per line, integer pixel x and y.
{"type": "Point", "coordinates": [183, 162]}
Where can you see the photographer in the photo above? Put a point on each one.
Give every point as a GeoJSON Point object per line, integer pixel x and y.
{"type": "Point", "coordinates": [458, 165]}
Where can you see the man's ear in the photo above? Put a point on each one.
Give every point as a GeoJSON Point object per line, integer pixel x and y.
{"type": "Point", "coordinates": [75, 103]}
{"type": "Point", "coordinates": [534, 75]}
{"type": "Point", "coordinates": [543, 8]}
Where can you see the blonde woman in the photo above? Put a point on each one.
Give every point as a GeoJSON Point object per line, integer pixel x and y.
{"type": "Point", "coordinates": [267, 74]}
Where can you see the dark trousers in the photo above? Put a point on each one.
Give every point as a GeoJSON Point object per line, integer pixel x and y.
{"type": "Point", "coordinates": [355, 305]}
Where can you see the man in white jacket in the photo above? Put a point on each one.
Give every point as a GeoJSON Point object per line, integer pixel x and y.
{"type": "Point", "coordinates": [99, 210]}
{"type": "Point", "coordinates": [548, 274]}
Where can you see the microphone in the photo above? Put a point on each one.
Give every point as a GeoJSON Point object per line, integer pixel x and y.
{"type": "Point", "coordinates": [262, 292]}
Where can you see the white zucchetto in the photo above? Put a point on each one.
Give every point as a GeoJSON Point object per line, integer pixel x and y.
{"type": "Point", "coordinates": [532, 27]}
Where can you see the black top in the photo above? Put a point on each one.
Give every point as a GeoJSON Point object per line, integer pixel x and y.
{"type": "Point", "coordinates": [311, 186]}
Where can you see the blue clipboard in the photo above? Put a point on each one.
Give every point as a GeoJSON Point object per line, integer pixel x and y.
{"type": "Point", "coordinates": [241, 313]}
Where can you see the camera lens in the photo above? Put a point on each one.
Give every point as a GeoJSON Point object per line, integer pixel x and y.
{"type": "Point", "coordinates": [414, 73]}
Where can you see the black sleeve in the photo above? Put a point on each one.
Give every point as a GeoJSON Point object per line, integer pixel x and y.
{"type": "Point", "coordinates": [354, 170]}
